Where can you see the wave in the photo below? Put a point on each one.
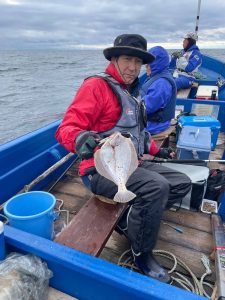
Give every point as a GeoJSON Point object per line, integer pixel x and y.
{"type": "Point", "coordinates": [8, 95]}
{"type": "Point", "coordinates": [39, 86]}
{"type": "Point", "coordinates": [8, 70]}
{"type": "Point", "coordinates": [63, 64]}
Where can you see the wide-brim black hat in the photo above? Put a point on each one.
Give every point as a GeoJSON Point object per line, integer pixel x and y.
{"type": "Point", "coordinates": [130, 45]}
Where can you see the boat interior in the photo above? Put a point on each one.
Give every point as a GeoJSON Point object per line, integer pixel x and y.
{"type": "Point", "coordinates": [186, 241]}
{"type": "Point", "coordinates": [184, 233]}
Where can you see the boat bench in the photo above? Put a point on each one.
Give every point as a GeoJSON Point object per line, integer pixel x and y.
{"type": "Point", "coordinates": [184, 93]}
{"type": "Point", "coordinates": [92, 226]}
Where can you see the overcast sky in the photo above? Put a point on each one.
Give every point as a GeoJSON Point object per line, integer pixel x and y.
{"type": "Point", "coordinates": [28, 24]}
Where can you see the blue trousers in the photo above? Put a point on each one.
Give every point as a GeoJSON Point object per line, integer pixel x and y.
{"type": "Point", "coordinates": [184, 82]}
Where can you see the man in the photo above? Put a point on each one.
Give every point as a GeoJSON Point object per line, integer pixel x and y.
{"type": "Point", "coordinates": [187, 62]}
{"type": "Point", "coordinates": [104, 104]}
{"type": "Point", "coordinates": [159, 92]}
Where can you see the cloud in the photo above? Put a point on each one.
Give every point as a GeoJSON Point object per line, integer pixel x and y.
{"type": "Point", "coordinates": [94, 23]}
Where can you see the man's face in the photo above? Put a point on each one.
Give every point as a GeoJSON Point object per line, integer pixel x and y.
{"type": "Point", "coordinates": [148, 70]}
{"type": "Point", "coordinates": [185, 43]}
{"type": "Point", "coordinates": [128, 67]}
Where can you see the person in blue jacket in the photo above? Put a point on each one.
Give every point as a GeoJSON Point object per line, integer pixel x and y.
{"type": "Point", "coordinates": [187, 62]}
{"type": "Point", "coordinates": [159, 92]}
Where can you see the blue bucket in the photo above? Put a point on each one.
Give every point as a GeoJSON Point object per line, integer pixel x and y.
{"type": "Point", "coordinates": [32, 212]}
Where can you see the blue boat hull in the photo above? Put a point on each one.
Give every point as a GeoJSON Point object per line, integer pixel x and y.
{"type": "Point", "coordinates": [86, 277]}
{"type": "Point", "coordinates": [23, 159]}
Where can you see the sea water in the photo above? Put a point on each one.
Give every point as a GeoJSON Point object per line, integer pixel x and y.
{"type": "Point", "coordinates": [36, 86]}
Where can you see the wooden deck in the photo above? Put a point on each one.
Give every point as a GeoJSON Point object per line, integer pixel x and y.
{"type": "Point", "coordinates": [195, 240]}
{"type": "Point", "coordinates": [54, 294]}
{"type": "Point", "coordinates": [188, 246]}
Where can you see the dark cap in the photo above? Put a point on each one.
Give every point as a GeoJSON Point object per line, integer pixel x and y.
{"type": "Point", "coordinates": [131, 45]}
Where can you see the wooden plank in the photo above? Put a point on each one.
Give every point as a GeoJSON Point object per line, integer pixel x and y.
{"type": "Point", "coordinates": [184, 93]}
{"type": "Point", "coordinates": [192, 219]}
{"type": "Point", "coordinates": [54, 294]}
{"type": "Point", "coordinates": [118, 244]}
{"type": "Point", "coordinates": [71, 188]}
{"type": "Point", "coordinates": [190, 257]}
{"type": "Point", "coordinates": [90, 229]}
{"type": "Point", "coordinates": [190, 238]}
{"type": "Point", "coordinates": [73, 194]}
{"type": "Point", "coordinates": [72, 203]}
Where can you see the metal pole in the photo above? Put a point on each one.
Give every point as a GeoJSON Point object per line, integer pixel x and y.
{"type": "Point", "coordinates": [197, 18]}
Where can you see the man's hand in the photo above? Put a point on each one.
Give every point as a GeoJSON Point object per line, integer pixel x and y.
{"type": "Point", "coordinates": [86, 142]}
{"type": "Point", "coordinates": [165, 153]}
{"type": "Point", "coordinates": [181, 63]}
{"type": "Point", "coordinates": [177, 54]}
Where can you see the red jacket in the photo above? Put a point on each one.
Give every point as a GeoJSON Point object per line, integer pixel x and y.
{"type": "Point", "coordinates": [94, 108]}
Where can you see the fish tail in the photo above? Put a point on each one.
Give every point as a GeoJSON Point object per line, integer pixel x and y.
{"type": "Point", "coordinates": [124, 196]}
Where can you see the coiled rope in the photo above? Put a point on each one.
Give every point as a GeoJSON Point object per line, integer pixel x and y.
{"type": "Point", "coordinates": [126, 260]}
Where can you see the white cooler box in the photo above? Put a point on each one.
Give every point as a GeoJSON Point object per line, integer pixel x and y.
{"type": "Point", "coordinates": [207, 92]}
{"type": "Point", "coordinates": [198, 176]}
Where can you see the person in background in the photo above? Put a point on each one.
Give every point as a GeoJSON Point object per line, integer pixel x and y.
{"type": "Point", "coordinates": [104, 104]}
{"type": "Point", "coordinates": [159, 92]}
{"type": "Point", "coordinates": [187, 62]}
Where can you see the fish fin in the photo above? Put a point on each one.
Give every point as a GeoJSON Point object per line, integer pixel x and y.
{"type": "Point", "coordinates": [124, 196]}
{"type": "Point", "coordinates": [134, 160]}
{"type": "Point", "coordinates": [100, 167]}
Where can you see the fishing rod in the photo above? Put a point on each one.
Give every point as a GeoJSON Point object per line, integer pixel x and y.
{"type": "Point", "coordinates": [29, 186]}
{"type": "Point", "coordinates": [197, 18]}
{"type": "Point", "coordinates": [187, 161]}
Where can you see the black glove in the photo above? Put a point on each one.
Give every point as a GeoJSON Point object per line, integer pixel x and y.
{"type": "Point", "coordinates": [177, 54]}
{"type": "Point", "coordinates": [86, 142]}
{"type": "Point", "coordinates": [164, 153]}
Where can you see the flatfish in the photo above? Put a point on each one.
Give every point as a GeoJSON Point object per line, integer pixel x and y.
{"type": "Point", "coordinates": [116, 160]}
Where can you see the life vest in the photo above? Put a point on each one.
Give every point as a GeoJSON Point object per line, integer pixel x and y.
{"type": "Point", "coordinates": [164, 113]}
{"type": "Point", "coordinates": [133, 114]}
{"type": "Point", "coordinates": [182, 62]}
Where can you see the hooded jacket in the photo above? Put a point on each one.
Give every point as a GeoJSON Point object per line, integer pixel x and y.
{"type": "Point", "coordinates": [190, 61]}
{"type": "Point", "coordinates": [159, 92]}
{"type": "Point", "coordinates": [95, 108]}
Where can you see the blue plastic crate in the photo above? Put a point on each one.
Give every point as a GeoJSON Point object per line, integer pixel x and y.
{"type": "Point", "coordinates": [201, 121]}
{"type": "Point", "coordinates": [194, 143]}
